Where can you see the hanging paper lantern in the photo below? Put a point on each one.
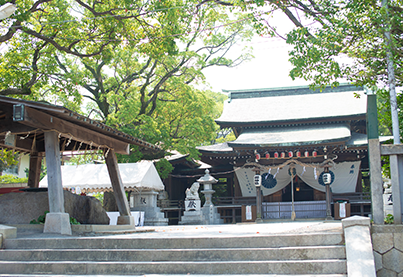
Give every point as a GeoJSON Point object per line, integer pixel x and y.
{"type": "Point", "coordinates": [290, 154]}
{"type": "Point", "coordinates": [306, 154]}
{"type": "Point", "coordinates": [314, 154]}
{"type": "Point", "coordinates": [326, 178]}
{"type": "Point", "coordinates": [298, 154]}
{"type": "Point", "coordinates": [267, 156]}
{"type": "Point", "coordinates": [275, 155]}
{"type": "Point", "coordinates": [257, 156]}
{"type": "Point", "coordinates": [282, 155]}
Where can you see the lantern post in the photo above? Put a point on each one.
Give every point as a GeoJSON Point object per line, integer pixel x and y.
{"type": "Point", "coordinates": [258, 184]}
{"type": "Point", "coordinates": [293, 214]}
{"type": "Point", "coordinates": [327, 179]}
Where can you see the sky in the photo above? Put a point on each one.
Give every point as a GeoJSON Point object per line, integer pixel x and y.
{"type": "Point", "coordinates": [270, 67]}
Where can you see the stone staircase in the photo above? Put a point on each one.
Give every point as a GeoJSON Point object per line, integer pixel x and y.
{"type": "Point", "coordinates": [309, 254]}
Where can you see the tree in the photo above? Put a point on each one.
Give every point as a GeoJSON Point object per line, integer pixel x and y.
{"type": "Point", "coordinates": [360, 41]}
{"type": "Point", "coordinates": [40, 30]}
{"type": "Point", "coordinates": [333, 39]}
{"type": "Point", "coordinates": [345, 39]}
{"type": "Point", "coordinates": [138, 63]}
{"type": "Point", "coordinates": [148, 72]}
{"type": "Point", "coordinates": [150, 92]}
{"type": "Point", "coordinates": [7, 159]}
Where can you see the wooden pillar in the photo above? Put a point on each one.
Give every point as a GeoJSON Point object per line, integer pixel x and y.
{"type": "Point", "coordinates": [57, 221]}
{"type": "Point", "coordinates": [258, 184]}
{"type": "Point", "coordinates": [328, 203]}
{"type": "Point", "coordinates": [328, 196]}
{"type": "Point", "coordinates": [293, 214]}
{"type": "Point", "coordinates": [125, 217]}
{"type": "Point", "coordinates": [35, 161]}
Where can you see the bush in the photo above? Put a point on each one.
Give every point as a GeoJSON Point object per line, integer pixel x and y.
{"type": "Point", "coordinates": [389, 219]}
{"type": "Point", "coordinates": [42, 218]}
{"type": "Point", "coordinates": [11, 179]}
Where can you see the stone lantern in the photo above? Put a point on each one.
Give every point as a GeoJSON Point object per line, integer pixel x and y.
{"type": "Point", "coordinates": [209, 211]}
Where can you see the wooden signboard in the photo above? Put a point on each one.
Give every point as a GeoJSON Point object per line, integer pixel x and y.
{"type": "Point", "coordinates": [248, 213]}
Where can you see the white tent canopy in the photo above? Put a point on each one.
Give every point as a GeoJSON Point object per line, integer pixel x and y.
{"type": "Point", "coordinates": [141, 176]}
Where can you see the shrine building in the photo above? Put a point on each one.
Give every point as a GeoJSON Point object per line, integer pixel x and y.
{"type": "Point", "coordinates": [290, 137]}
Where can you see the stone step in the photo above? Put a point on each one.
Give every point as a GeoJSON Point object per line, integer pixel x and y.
{"type": "Point", "coordinates": [334, 266]}
{"type": "Point", "coordinates": [258, 241]}
{"type": "Point", "coordinates": [182, 275]}
{"type": "Point", "coordinates": [223, 254]}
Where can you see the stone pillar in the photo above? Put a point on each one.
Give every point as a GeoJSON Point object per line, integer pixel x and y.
{"type": "Point", "coordinates": [395, 169]}
{"type": "Point", "coordinates": [57, 221]}
{"type": "Point", "coordinates": [376, 180]}
{"type": "Point", "coordinates": [374, 152]}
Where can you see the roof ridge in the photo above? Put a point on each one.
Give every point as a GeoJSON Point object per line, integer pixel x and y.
{"type": "Point", "coordinates": [284, 91]}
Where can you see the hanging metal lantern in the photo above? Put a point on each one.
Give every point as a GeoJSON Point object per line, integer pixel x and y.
{"type": "Point", "coordinates": [314, 154]}
{"type": "Point", "coordinates": [282, 155]}
{"type": "Point", "coordinates": [267, 156]}
{"type": "Point", "coordinates": [299, 154]}
{"type": "Point", "coordinates": [306, 154]}
{"type": "Point", "coordinates": [290, 154]}
{"type": "Point", "coordinates": [275, 155]}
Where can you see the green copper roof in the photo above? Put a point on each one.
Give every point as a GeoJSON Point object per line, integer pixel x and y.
{"type": "Point", "coordinates": [362, 140]}
{"type": "Point", "coordinates": [219, 148]}
{"type": "Point", "coordinates": [293, 136]}
{"type": "Point", "coordinates": [355, 140]}
{"type": "Point", "coordinates": [292, 105]}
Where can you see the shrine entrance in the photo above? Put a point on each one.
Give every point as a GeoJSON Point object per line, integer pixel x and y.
{"type": "Point", "coordinates": [302, 192]}
{"type": "Point", "coordinates": [308, 202]}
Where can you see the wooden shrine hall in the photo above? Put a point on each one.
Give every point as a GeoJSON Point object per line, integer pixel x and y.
{"type": "Point", "coordinates": [45, 130]}
{"type": "Point", "coordinates": [292, 137]}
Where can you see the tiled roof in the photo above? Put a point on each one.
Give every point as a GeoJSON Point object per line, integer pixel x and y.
{"type": "Point", "coordinates": [292, 105]}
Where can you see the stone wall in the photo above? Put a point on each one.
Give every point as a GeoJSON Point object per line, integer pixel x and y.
{"type": "Point", "coordinates": [387, 242]}
{"type": "Point", "coordinates": [21, 208]}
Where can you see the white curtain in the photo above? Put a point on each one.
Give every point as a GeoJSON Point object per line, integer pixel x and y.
{"type": "Point", "coordinates": [344, 178]}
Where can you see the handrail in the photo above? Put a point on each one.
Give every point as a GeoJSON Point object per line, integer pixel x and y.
{"type": "Point", "coordinates": [222, 201]}
{"type": "Point", "coordinates": [166, 203]}
{"type": "Point", "coordinates": [354, 196]}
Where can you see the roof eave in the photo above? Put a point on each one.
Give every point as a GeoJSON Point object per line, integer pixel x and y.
{"type": "Point", "coordinates": [227, 124]}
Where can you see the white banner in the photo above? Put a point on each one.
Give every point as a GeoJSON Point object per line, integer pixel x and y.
{"type": "Point", "coordinates": [344, 178]}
